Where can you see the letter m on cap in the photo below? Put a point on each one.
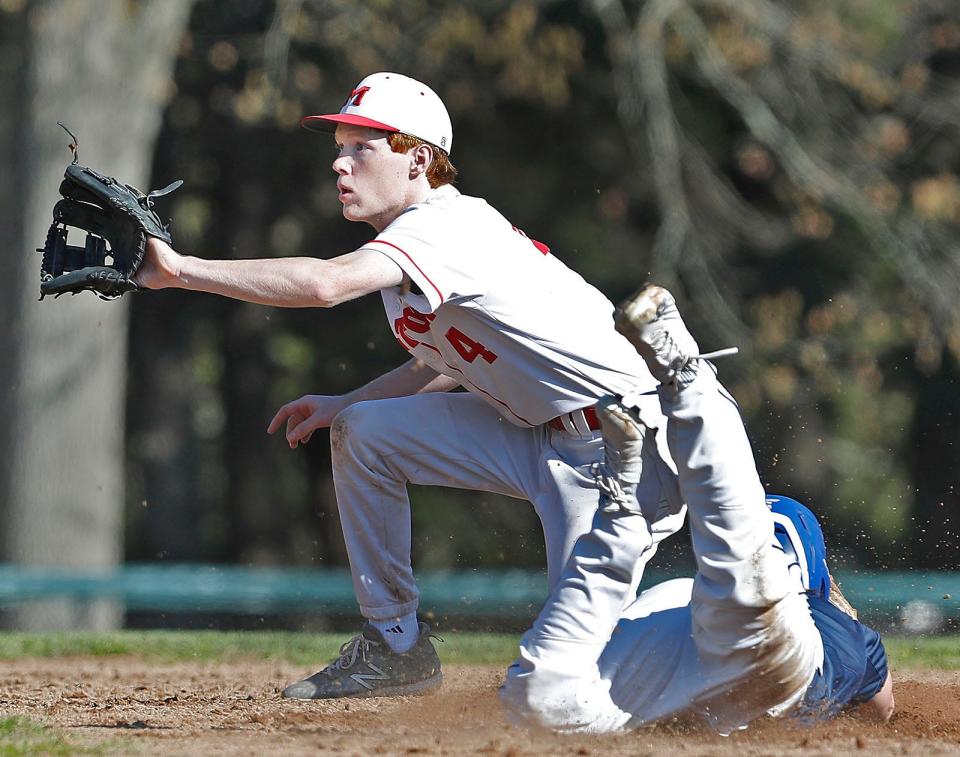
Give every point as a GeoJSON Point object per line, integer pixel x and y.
{"type": "Point", "coordinates": [356, 96]}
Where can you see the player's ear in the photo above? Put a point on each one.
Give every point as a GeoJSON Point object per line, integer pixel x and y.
{"type": "Point", "coordinates": [421, 157]}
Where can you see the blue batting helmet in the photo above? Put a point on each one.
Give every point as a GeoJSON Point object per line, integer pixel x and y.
{"type": "Point", "coordinates": [798, 531]}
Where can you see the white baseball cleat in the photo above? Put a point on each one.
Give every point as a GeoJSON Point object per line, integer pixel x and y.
{"type": "Point", "coordinates": [652, 324]}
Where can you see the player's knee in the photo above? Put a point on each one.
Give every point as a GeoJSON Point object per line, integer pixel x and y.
{"type": "Point", "coordinates": [538, 695]}
{"type": "Point", "coordinates": [528, 691]}
{"type": "Point", "coordinates": [532, 699]}
{"type": "Point", "coordinates": [514, 696]}
{"type": "Point", "coordinates": [351, 425]}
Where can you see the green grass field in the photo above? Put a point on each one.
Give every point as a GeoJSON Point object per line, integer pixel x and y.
{"type": "Point", "coordinates": [21, 736]}
{"type": "Point", "coordinates": [941, 652]}
{"type": "Point", "coordinates": [226, 646]}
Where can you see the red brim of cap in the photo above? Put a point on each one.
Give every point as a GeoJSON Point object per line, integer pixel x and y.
{"type": "Point", "coordinates": [329, 123]}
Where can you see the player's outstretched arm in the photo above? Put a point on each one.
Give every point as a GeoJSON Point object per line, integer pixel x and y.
{"type": "Point", "coordinates": [305, 415]}
{"type": "Point", "coordinates": [281, 282]}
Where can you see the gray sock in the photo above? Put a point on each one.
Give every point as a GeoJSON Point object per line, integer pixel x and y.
{"type": "Point", "coordinates": [400, 633]}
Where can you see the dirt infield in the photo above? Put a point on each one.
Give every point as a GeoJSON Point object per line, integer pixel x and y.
{"type": "Point", "coordinates": [124, 704]}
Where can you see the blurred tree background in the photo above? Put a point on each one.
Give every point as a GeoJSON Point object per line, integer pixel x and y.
{"type": "Point", "coordinates": [790, 169]}
{"type": "Point", "coordinates": [63, 372]}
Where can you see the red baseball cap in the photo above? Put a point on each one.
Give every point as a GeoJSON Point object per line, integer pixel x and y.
{"type": "Point", "coordinates": [392, 102]}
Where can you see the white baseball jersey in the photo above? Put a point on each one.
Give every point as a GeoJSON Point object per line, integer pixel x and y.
{"type": "Point", "coordinates": [532, 341]}
{"type": "Point", "coordinates": [500, 314]}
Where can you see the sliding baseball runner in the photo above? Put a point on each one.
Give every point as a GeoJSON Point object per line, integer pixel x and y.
{"type": "Point", "coordinates": [753, 633]}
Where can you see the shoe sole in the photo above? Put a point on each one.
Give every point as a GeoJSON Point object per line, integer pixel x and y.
{"type": "Point", "coordinates": [408, 689]}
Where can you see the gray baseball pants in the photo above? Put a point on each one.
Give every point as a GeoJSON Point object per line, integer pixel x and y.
{"type": "Point", "coordinates": [458, 440]}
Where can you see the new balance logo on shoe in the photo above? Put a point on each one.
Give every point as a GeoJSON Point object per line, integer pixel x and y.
{"type": "Point", "coordinates": [363, 678]}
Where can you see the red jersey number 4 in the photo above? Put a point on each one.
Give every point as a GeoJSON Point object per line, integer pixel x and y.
{"type": "Point", "coordinates": [466, 347]}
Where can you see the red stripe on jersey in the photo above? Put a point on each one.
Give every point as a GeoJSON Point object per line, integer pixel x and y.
{"type": "Point", "coordinates": [497, 399]}
{"type": "Point", "coordinates": [390, 244]}
{"type": "Point", "coordinates": [484, 391]}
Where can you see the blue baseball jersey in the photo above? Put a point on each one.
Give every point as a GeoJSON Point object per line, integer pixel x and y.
{"type": "Point", "coordinates": [854, 663]}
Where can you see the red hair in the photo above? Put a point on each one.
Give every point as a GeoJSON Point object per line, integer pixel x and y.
{"type": "Point", "coordinates": [441, 170]}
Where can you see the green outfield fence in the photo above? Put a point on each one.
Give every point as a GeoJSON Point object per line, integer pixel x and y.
{"type": "Point", "coordinates": [918, 598]}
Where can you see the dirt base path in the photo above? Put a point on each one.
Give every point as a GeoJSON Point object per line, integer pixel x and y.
{"type": "Point", "coordinates": [123, 704]}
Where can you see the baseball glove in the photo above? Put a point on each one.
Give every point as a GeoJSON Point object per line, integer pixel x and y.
{"type": "Point", "coordinates": [117, 218]}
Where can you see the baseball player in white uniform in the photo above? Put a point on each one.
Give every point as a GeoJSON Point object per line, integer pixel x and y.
{"type": "Point", "coordinates": [740, 641]}
{"type": "Point", "coordinates": [478, 305]}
